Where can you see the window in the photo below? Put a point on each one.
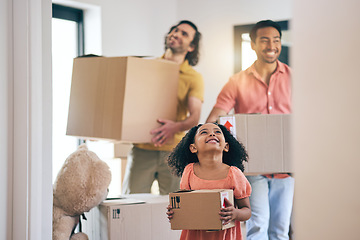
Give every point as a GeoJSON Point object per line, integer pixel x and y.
{"type": "Point", "coordinates": [76, 17]}
{"type": "Point", "coordinates": [67, 43]}
{"type": "Point", "coordinates": [245, 56]}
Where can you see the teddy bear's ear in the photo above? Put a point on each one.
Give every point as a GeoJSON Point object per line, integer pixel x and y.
{"type": "Point", "coordinates": [83, 147]}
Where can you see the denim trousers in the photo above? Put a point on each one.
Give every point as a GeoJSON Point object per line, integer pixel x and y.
{"type": "Point", "coordinates": [271, 204]}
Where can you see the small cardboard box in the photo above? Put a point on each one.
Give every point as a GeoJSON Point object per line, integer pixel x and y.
{"type": "Point", "coordinates": [121, 150]}
{"type": "Point", "coordinates": [266, 138]}
{"type": "Point", "coordinates": [199, 209]}
{"type": "Point", "coordinates": [138, 216]}
{"type": "Point", "coordinates": [121, 98]}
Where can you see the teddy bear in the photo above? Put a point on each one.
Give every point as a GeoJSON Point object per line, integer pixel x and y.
{"type": "Point", "coordinates": [81, 184]}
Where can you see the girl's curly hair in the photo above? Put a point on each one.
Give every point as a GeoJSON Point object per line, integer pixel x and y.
{"type": "Point", "coordinates": [181, 155]}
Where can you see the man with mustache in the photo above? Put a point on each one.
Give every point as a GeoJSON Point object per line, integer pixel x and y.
{"type": "Point", "coordinates": [148, 162]}
{"type": "Point", "coordinates": [264, 87]}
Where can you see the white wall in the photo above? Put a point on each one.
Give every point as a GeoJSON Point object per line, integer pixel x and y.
{"type": "Point", "coordinates": [135, 27]}
{"type": "Point", "coordinates": [326, 119]}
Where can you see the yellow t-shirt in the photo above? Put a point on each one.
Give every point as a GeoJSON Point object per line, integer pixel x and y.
{"type": "Point", "coordinates": [191, 84]}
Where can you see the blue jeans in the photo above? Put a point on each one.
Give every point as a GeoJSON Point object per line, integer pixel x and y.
{"type": "Point", "coordinates": [271, 204]}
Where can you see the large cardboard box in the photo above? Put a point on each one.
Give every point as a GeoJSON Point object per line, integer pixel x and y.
{"type": "Point", "coordinates": [121, 98]}
{"type": "Point", "coordinates": [199, 209]}
{"type": "Point", "coordinates": [266, 138]}
{"type": "Point", "coordinates": [138, 216]}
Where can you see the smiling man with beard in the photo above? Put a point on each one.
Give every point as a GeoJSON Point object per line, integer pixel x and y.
{"type": "Point", "coordinates": [147, 162]}
{"type": "Point", "coordinates": [264, 87]}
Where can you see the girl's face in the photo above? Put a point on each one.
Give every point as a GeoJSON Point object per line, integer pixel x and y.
{"type": "Point", "coordinates": [209, 137]}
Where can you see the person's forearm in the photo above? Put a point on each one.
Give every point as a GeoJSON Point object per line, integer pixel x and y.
{"type": "Point", "coordinates": [243, 209]}
{"type": "Point", "coordinates": [243, 214]}
{"type": "Point", "coordinates": [214, 114]}
{"type": "Point", "coordinates": [191, 121]}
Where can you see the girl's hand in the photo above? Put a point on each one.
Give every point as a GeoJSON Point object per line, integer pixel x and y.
{"type": "Point", "coordinates": [228, 213]}
{"type": "Point", "coordinates": [169, 212]}
{"type": "Point", "coordinates": [241, 213]}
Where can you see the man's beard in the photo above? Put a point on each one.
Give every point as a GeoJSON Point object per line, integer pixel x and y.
{"type": "Point", "coordinates": [175, 50]}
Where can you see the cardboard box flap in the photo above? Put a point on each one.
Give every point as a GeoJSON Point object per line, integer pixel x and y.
{"type": "Point", "coordinates": [183, 191]}
{"type": "Point", "coordinates": [121, 201]}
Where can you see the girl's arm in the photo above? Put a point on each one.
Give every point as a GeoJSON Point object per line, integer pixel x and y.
{"type": "Point", "coordinates": [241, 213]}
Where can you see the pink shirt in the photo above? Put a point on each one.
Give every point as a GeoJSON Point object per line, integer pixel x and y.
{"type": "Point", "coordinates": [235, 180]}
{"type": "Point", "coordinates": [246, 92]}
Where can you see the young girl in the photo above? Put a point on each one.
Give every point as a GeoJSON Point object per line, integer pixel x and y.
{"type": "Point", "coordinates": [209, 157]}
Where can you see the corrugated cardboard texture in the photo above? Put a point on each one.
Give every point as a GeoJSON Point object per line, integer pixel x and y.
{"type": "Point", "coordinates": [198, 210]}
{"type": "Point", "coordinates": [267, 140]}
{"type": "Point", "coordinates": [120, 98]}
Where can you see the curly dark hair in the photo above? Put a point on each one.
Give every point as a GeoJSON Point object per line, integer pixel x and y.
{"type": "Point", "coordinates": [181, 155]}
{"type": "Point", "coordinates": [192, 57]}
